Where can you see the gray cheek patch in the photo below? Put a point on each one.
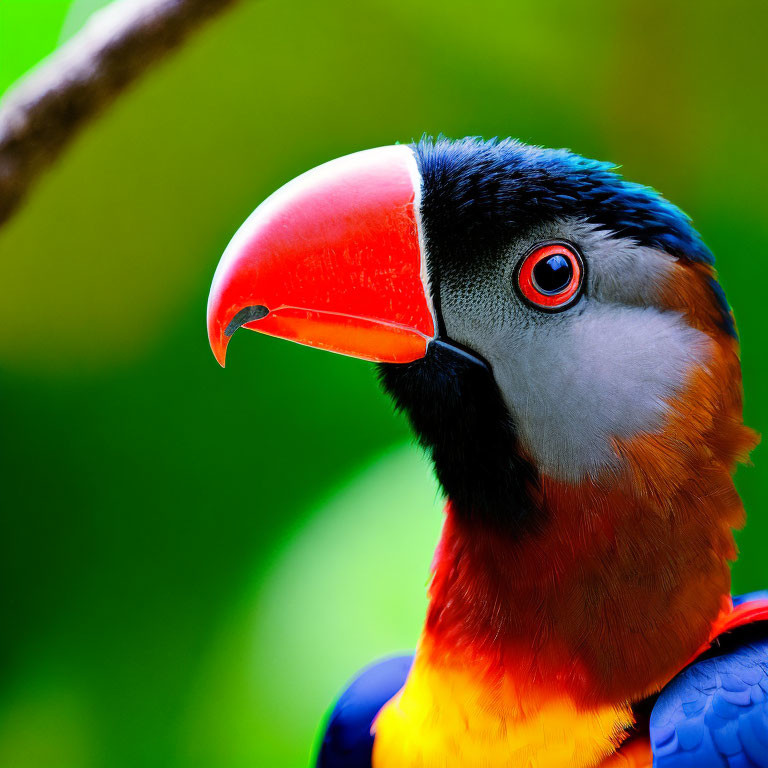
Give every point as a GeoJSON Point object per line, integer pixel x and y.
{"type": "Point", "coordinates": [606, 368]}
{"type": "Point", "coordinates": [607, 371]}
{"type": "Point", "coordinates": [621, 270]}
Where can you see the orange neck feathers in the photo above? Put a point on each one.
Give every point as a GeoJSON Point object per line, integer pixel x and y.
{"type": "Point", "coordinates": [611, 595]}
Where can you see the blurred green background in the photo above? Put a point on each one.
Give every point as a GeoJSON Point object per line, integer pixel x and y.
{"type": "Point", "coordinates": [194, 560]}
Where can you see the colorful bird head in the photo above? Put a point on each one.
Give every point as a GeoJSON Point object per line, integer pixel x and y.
{"type": "Point", "coordinates": [537, 317]}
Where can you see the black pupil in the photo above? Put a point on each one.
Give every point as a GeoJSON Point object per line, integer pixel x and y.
{"type": "Point", "coordinates": [553, 274]}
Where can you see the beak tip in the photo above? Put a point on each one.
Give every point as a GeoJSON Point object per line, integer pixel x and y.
{"type": "Point", "coordinates": [218, 339]}
{"type": "Point", "coordinates": [218, 343]}
{"type": "Point", "coordinates": [221, 355]}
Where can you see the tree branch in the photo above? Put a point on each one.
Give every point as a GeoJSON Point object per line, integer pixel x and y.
{"type": "Point", "coordinates": [44, 111]}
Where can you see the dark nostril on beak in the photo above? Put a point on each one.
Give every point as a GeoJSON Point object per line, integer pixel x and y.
{"type": "Point", "coordinates": [246, 315]}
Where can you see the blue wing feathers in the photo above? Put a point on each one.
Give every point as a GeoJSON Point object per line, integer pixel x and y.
{"type": "Point", "coordinates": [714, 714]}
{"type": "Point", "coordinates": [750, 597]}
{"type": "Point", "coordinates": [348, 742]}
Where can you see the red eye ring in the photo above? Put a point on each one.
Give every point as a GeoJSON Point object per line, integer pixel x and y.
{"type": "Point", "coordinates": [561, 296]}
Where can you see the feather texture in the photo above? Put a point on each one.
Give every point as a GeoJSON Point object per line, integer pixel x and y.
{"type": "Point", "coordinates": [715, 713]}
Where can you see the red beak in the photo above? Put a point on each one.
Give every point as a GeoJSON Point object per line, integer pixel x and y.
{"type": "Point", "coordinates": [333, 260]}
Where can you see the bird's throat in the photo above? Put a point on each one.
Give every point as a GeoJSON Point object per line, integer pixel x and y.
{"type": "Point", "coordinates": [535, 647]}
{"type": "Point", "coordinates": [606, 601]}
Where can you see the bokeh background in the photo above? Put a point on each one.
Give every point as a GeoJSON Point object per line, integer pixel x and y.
{"type": "Point", "coordinates": [193, 560]}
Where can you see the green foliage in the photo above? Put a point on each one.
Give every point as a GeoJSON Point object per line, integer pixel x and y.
{"type": "Point", "coordinates": [175, 538]}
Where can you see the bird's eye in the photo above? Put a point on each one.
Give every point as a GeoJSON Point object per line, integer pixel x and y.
{"type": "Point", "coordinates": [550, 276]}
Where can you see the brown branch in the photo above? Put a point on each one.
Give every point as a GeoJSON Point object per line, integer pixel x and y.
{"type": "Point", "coordinates": [44, 111]}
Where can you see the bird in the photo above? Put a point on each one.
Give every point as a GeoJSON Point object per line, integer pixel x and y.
{"type": "Point", "coordinates": [560, 343]}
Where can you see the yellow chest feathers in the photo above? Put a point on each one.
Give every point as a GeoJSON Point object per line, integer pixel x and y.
{"type": "Point", "coordinates": [449, 716]}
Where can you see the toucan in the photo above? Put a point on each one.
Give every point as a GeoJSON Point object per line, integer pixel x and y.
{"type": "Point", "coordinates": [559, 341]}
